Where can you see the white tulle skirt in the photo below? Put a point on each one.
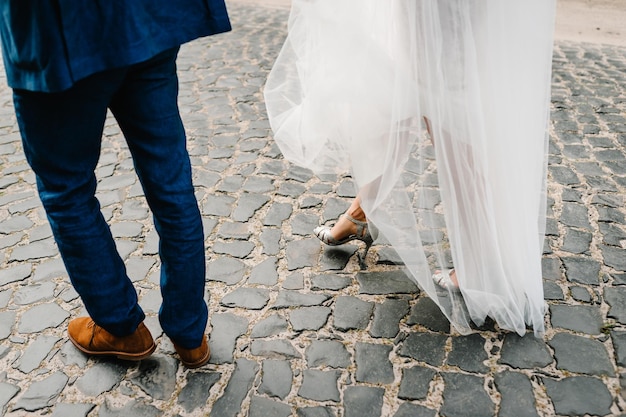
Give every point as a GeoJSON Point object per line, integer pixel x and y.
{"type": "Point", "coordinates": [353, 89]}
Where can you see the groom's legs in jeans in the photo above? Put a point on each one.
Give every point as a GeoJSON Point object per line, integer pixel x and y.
{"type": "Point", "coordinates": [62, 133]}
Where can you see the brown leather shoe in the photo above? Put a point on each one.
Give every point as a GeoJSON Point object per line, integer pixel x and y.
{"type": "Point", "coordinates": [194, 358]}
{"type": "Point", "coordinates": [94, 340]}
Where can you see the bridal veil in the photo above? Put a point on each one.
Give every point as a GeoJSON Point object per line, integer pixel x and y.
{"type": "Point", "coordinates": [354, 88]}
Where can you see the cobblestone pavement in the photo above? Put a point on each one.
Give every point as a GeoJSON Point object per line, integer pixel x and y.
{"type": "Point", "coordinates": [299, 330]}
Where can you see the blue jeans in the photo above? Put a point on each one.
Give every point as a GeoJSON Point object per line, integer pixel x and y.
{"type": "Point", "coordinates": [62, 134]}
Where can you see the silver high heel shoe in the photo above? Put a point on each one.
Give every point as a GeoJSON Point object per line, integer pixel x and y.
{"type": "Point", "coordinates": [362, 233]}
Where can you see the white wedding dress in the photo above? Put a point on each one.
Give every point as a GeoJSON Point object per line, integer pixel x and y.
{"type": "Point", "coordinates": [351, 91]}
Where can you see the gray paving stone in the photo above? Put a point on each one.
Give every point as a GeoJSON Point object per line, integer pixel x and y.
{"type": "Point", "coordinates": [294, 281]}
{"type": "Point", "coordinates": [619, 346]}
{"type": "Point", "coordinates": [274, 349]}
{"type": "Point", "coordinates": [327, 353]}
{"type": "Point", "coordinates": [218, 205]}
{"type": "Point", "coordinates": [240, 382]}
{"type": "Point", "coordinates": [351, 313]}
{"type": "Point", "coordinates": [576, 241]}
{"type": "Point", "coordinates": [138, 268]}
{"type": "Point", "coordinates": [36, 352]}
{"type": "Point", "coordinates": [258, 184]}
{"type": "Point", "coordinates": [584, 319]}
{"type": "Point", "coordinates": [7, 319]}
{"type": "Point", "coordinates": [469, 354]}
{"type": "Point", "coordinates": [415, 383]}
{"type": "Point", "coordinates": [231, 183]}
{"type": "Point", "coordinates": [582, 270]}
{"type": "Point", "coordinates": [310, 202]}
{"type": "Point", "coordinates": [320, 385]}
{"type": "Point", "coordinates": [614, 257]}
{"type": "Point", "coordinates": [277, 214]}
{"type": "Point", "coordinates": [414, 410]}
{"type": "Point", "coordinates": [303, 224]}
{"type": "Point", "coordinates": [616, 298]}
{"type": "Point", "coordinates": [262, 407]}
{"type": "Point", "coordinates": [126, 229]}
{"type": "Point", "coordinates": [15, 273]}
{"type": "Point", "coordinates": [569, 349]}
{"type": "Point", "coordinates": [42, 393]}
{"type": "Point", "coordinates": [116, 182]}
{"type": "Point", "coordinates": [223, 338]}
{"type": "Point", "coordinates": [290, 189]}
{"type": "Point", "coordinates": [362, 401]}
{"type": "Point", "coordinates": [373, 364]}
{"type": "Point", "coordinates": [387, 282]}
{"type": "Point", "coordinates": [552, 291]}
{"type": "Point", "coordinates": [265, 273]}
{"type": "Point", "coordinates": [15, 224]}
{"type": "Point", "coordinates": [334, 208]}
{"type": "Point", "coordinates": [33, 293]}
{"type": "Point", "coordinates": [156, 376]}
{"type": "Point", "coordinates": [36, 250]}
{"type": "Point", "coordinates": [247, 206]}
{"type": "Point", "coordinates": [195, 392]}
{"type": "Point", "coordinates": [49, 269]}
{"type": "Point", "coordinates": [302, 253]}
{"type": "Point", "coordinates": [309, 318]}
{"type": "Point", "coordinates": [270, 239]}
{"type": "Point", "coordinates": [526, 352]}
{"type": "Point", "coordinates": [7, 392]}
{"type": "Point", "coordinates": [277, 377]}
{"type": "Point", "coordinates": [387, 316]}
{"type": "Point", "coordinates": [564, 175]}
{"type": "Point", "coordinates": [227, 270]}
{"type": "Point", "coordinates": [426, 313]}
{"type": "Point", "coordinates": [10, 240]}
{"type": "Point", "coordinates": [41, 317]}
{"type": "Point", "coordinates": [101, 377]}
{"type": "Point", "coordinates": [611, 233]}
{"type": "Point", "coordinates": [551, 268]}
{"type": "Point", "coordinates": [132, 408]}
{"type": "Point", "coordinates": [578, 395]}
{"type": "Point", "coordinates": [5, 296]}
{"type": "Point", "coordinates": [518, 399]}
{"type": "Point", "coordinates": [248, 298]}
{"type": "Point", "coordinates": [273, 325]}
{"type": "Point", "coordinates": [336, 258]}
{"type": "Point", "coordinates": [316, 411]}
{"type": "Point", "coordinates": [40, 233]}
{"type": "Point", "coordinates": [575, 215]}
{"type": "Point", "coordinates": [464, 395]}
{"type": "Point", "coordinates": [331, 282]}
{"type": "Point", "coordinates": [424, 347]}
{"type": "Point", "coordinates": [234, 230]}
{"type": "Point", "coordinates": [580, 294]}
{"type": "Point", "coordinates": [151, 300]}
{"type": "Point", "coordinates": [72, 409]}
{"type": "Point", "coordinates": [288, 298]}
{"type": "Point", "coordinates": [69, 355]}
{"type": "Point", "coordinates": [237, 249]}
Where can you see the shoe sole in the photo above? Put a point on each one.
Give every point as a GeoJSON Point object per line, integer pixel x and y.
{"type": "Point", "coordinates": [120, 355]}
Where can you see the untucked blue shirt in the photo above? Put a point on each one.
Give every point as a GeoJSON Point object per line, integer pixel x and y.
{"type": "Point", "coordinates": [48, 45]}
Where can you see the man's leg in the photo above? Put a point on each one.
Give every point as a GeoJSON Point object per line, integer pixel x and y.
{"type": "Point", "coordinates": [61, 134]}
{"type": "Point", "coordinates": [147, 111]}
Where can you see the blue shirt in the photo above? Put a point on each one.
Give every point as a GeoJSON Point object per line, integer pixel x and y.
{"type": "Point", "coordinates": [48, 45]}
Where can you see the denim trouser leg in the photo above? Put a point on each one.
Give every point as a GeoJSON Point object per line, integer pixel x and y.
{"type": "Point", "coordinates": [62, 134]}
{"type": "Point", "coordinates": [147, 112]}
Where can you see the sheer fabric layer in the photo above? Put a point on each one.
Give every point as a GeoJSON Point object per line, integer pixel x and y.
{"type": "Point", "coordinates": [353, 89]}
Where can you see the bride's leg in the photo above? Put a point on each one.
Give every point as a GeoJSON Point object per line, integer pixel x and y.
{"type": "Point", "coordinates": [344, 227]}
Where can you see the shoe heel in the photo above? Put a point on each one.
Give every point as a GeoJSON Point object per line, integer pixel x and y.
{"type": "Point", "coordinates": [368, 245]}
